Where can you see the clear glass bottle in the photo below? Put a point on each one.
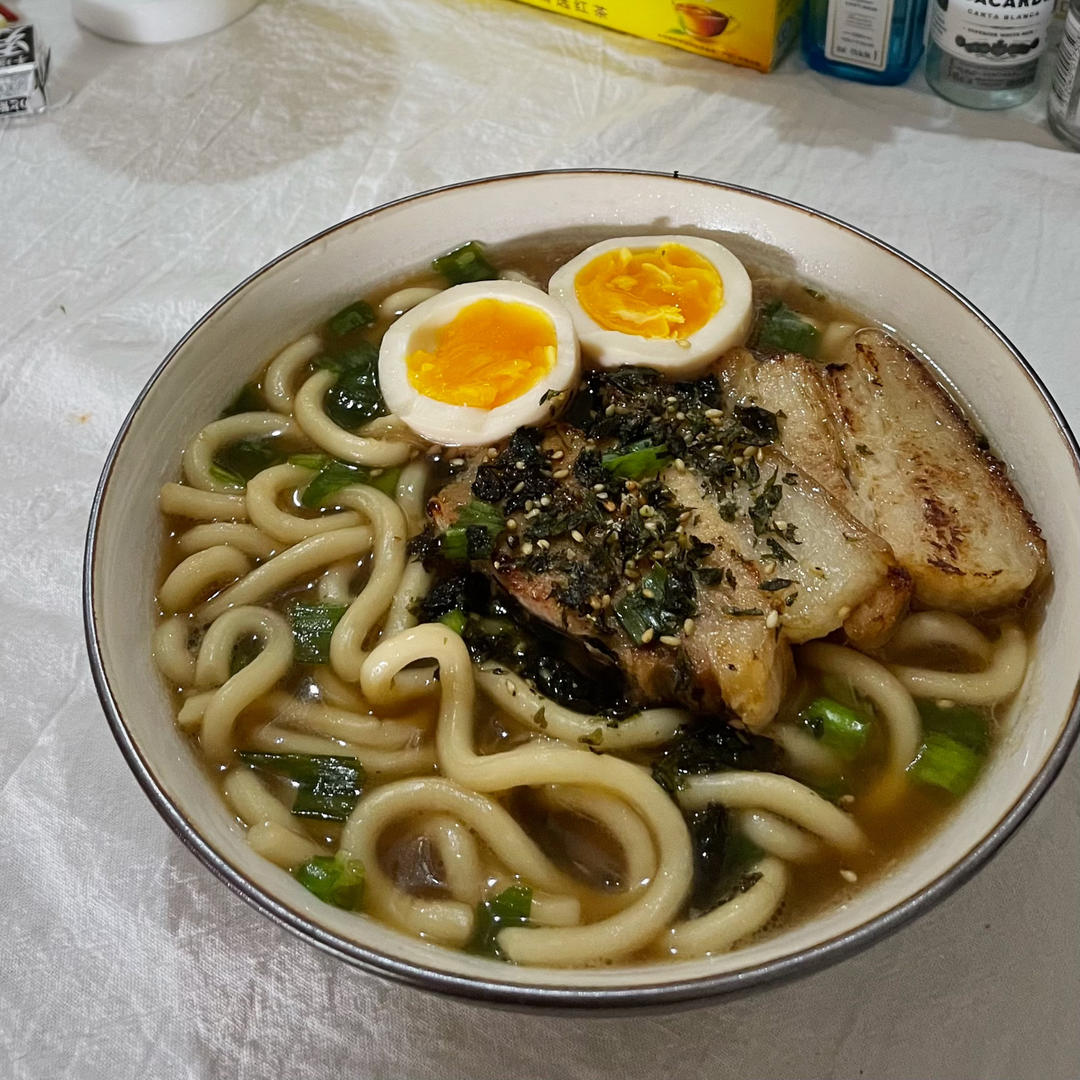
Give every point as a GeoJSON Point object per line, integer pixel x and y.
{"type": "Point", "coordinates": [1064, 107]}
{"type": "Point", "coordinates": [986, 56]}
{"type": "Point", "coordinates": [874, 41]}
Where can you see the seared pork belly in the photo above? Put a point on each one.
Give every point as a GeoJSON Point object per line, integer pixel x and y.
{"type": "Point", "coordinates": [880, 434]}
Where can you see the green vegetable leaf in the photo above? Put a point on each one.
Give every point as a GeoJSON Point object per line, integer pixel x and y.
{"type": "Point", "coordinates": [355, 398]}
{"type": "Point", "coordinates": [843, 730]}
{"type": "Point", "coordinates": [722, 858]}
{"type": "Point", "coordinates": [455, 620]}
{"type": "Point", "coordinates": [510, 908]}
{"type": "Point", "coordinates": [327, 785]}
{"type": "Point", "coordinates": [334, 475]}
{"type": "Point", "coordinates": [473, 534]}
{"type": "Point", "coordinates": [945, 763]}
{"type": "Point", "coordinates": [334, 880]}
{"type": "Point", "coordinates": [356, 316]}
{"type": "Point", "coordinates": [662, 612]}
{"type": "Point", "coordinates": [312, 627]}
{"type": "Point", "coordinates": [238, 462]}
{"type": "Point", "coordinates": [637, 461]}
{"type": "Point", "coordinates": [782, 330]}
{"type": "Point", "coordinates": [711, 745]}
{"type": "Point", "coordinates": [466, 263]}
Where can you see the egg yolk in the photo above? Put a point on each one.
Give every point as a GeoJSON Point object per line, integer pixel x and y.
{"type": "Point", "coordinates": [490, 353]}
{"type": "Point", "coordinates": [667, 292]}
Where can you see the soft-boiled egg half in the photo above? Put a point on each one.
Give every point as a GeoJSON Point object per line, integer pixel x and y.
{"type": "Point", "coordinates": [476, 362]}
{"type": "Point", "coordinates": [673, 303]}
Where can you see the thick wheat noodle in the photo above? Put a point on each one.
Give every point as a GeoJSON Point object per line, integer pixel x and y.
{"type": "Point", "coordinates": [447, 921]}
{"type": "Point", "coordinates": [247, 538]}
{"type": "Point", "coordinates": [514, 695]}
{"type": "Point", "coordinates": [741, 790]}
{"type": "Point", "coordinates": [414, 586]}
{"type": "Point", "coordinates": [275, 739]}
{"type": "Point", "coordinates": [618, 820]}
{"type": "Point", "coordinates": [282, 373]}
{"type": "Point", "coordinates": [344, 724]}
{"type": "Point", "coordinates": [194, 577]}
{"type": "Point", "coordinates": [397, 303]}
{"type": "Point", "coordinates": [171, 652]}
{"type": "Point", "coordinates": [347, 650]}
{"type": "Point", "coordinates": [198, 459]}
{"type": "Point", "coordinates": [235, 693]}
{"type": "Point", "coordinates": [335, 582]}
{"type": "Point", "coordinates": [272, 830]}
{"type": "Point", "coordinates": [265, 489]}
{"type": "Point", "coordinates": [411, 493]}
{"type": "Point", "coordinates": [738, 918]}
{"type": "Point", "coordinates": [804, 753]}
{"type": "Point", "coordinates": [1000, 680]}
{"type": "Point", "coordinates": [892, 703]}
{"type": "Point", "coordinates": [934, 629]}
{"type": "Point", "coordinates": [458, 854]}
{"type": "Point", "coordinates": [652, 907]}
{"type": "Point", "coordinates": [311, 416]}
{"type": "Point", "coordinates": [188, 502]}
{"type": "Point", "coordinates": [776, 836]}
{"type": "Point", "coordinates": [283, 569]}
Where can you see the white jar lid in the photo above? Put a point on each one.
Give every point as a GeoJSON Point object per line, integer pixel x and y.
{"type": "Point", "coordinates": [148, 22]}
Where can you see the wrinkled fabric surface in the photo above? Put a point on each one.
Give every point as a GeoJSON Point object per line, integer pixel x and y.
{"type": "Point", "coordinates": [171, 174]}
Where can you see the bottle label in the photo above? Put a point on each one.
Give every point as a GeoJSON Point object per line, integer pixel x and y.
{"type": "Point", "coordinates": [994, 44]}
{"type": "Point", "coordinates": [858, 33]}
{"type": "Point", "coordinates": [1065, 87]}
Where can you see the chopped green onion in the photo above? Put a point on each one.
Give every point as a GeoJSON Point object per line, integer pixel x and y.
{"type": "Point", "coordinates": [510, 908]}
{"type": "Point", "coordinates": [238, 462]}
{"type": "Point", "coordinates": [473, 534]}
{"type": "Point", "coordinates": [356, 316]}
{"type": "Point", "coordinates": [327, 785]}
{"type": "Point", "coordinates": [312, 627]}
{"type": "Point", "coordinates": [334, 880]}
{"type": "Point", "coordinates": [945, 763]}
{"type": "Point", "coordinates": [477, 512]}
{"type": "Point", "coordinates": [249, 399]}
{"type": "Point", "coordinates": [310, 461]}
{"type": "Point", "coordinates": [355, 398]}
{"type": "Point", "coordinates": [967, 725]}
{"type": "Point", "coordinates": [841, 729]}
{"type": "Point", "coordinates": [335, 475]}
{"type": "Point", "coordinates": [454, 543]}
{"type": "Point", "coordinates": [637, 461]}
{"type": "Point", "coordinates": [455, 620]}
{"type": "Point", "coordinates": [783, 330]}
{"type": "Point", "coordinates": [465, 263]}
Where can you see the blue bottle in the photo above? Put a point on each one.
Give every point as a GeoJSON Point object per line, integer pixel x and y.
{"type": "Point", "coordinates": [873, 41]}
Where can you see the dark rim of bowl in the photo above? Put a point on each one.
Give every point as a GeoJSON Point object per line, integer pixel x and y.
{"type": "Point", "coordinates": [700, 988]}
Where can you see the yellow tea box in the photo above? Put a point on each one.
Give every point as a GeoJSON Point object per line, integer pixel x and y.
{"type": "Point", "coordinates": [753, 33]}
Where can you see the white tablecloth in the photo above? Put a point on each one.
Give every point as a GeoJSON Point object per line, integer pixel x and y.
{"type": "Point", "coordinates": [175, 171]}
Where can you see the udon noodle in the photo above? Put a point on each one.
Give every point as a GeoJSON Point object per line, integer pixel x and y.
{"type": "Point", "coordinates": [476, 783]}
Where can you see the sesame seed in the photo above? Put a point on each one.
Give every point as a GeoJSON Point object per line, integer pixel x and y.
{"type": "Point", "coordinates": [846, 800]}
{"type": "Point", "coordinates": [779, 525]}
{"type": "Point", "coordinates": [648, 594]}
{"type": "Point", "coordinates": [945, 703]}
{"type": "Point", "coordinates": [672, 400]}
{"type": "Point", "coordinates": [543, 545]}
{"type": "Point", "coordinates": [680, 416]}
{"type": "Point", "coordinates": [529, 504]}
{"type": "Point", "coordinates": [519, 487]}
{"type": "Point", "coordinates": [605, 600]}
{"type": "Point", "coordinates": [557, 455]}
{"type": "Point", "coordinates": [760, 455]}
{"type": "Point", "coordinates": [844, 612]}
{"type": "Point", "coordinates": [602, 495]}
{"type": "Point", "coordinates": [519, 465]}
{"type": "Point", "coordinates": [534, 512]}
{"type": "Point", "coordinates": [576, 536]}
{"type": "Point", "coordinates": [647, 511]}
{"type": "Point", "coordinates": [610, 410]}
{"type": "Point", "coordinates": [560, 474]}
{"type": "Point", "coordinates": [545, 500]}
{"type": "Point", "coordinates": [738, 459]}
{"type": "Point", "coordinates": [718, 447]}
{"type": "Point", "coordinates": [511, 524]}
{"type": "Point", "coordinates": [685, 517]}
{"type": "Point", "coordinates": [598, 487]}
{"type": "Point", "coordinates": [652, 526]}
{"type": "Point", "coordinates": [492, 452]}
{"type": "Point", "coordinates": [680, 465]}
{"type": "Point", "coordinates": [456, 462]}
{"type": "Point", "coordinates": [849, 875]}
{"type": "Point", "coordinates": [668, 639]}
{"type": "Point", "coordinates": [609, 506]}
{"type": "Point", "coordinates": [688, 626]}
{"type": "Point", "coordinates": [527, 548]}
{"type": "Point", "coordinates": [647, 636]}
{"type": "Point", "coordinates": [772, 620]}
{"type": "Point", "coordinates": [710, 413]}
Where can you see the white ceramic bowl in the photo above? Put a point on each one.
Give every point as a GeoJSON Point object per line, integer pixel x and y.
{"type": "Point", "coordinates": [304, 286]}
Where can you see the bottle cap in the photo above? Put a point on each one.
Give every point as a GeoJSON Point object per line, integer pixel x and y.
{"type": "Point", "coordinates": [148, 22]}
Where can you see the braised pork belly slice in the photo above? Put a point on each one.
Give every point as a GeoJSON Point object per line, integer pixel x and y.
{"type": "Point", "coordinates": [593, 563]}
{"type": "Point", "coordinates": [882, 436]}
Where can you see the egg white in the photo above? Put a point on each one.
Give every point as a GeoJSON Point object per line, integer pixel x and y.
{"type": "Point", "coordinates": [465, 425]}
{"type": "Point", "coordinates": [683, 359]}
